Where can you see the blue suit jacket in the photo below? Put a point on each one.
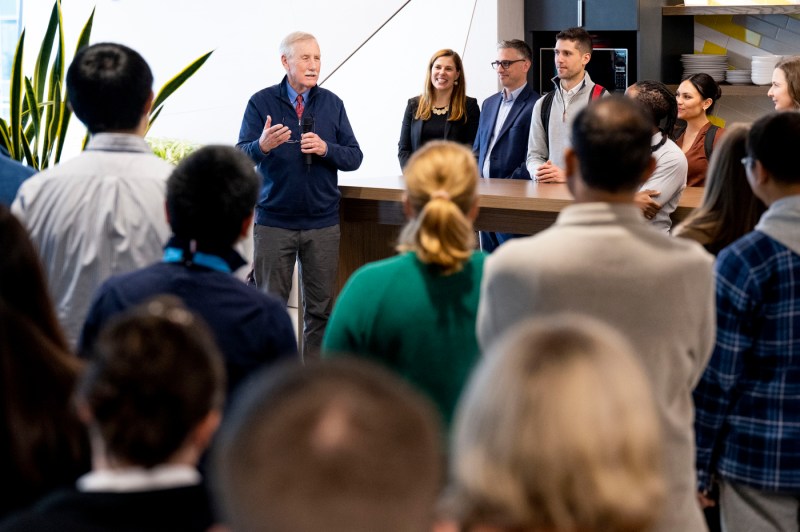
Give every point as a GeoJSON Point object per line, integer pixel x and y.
{"type": "Point", "coordinates": [507, 159]}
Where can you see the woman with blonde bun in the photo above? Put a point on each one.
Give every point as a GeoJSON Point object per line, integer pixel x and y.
{"type": "Point", "coordinates": [416, 312]}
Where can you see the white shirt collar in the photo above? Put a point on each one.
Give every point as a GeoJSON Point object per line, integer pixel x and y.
{"type": "Point", "coordinates": [139, 479]}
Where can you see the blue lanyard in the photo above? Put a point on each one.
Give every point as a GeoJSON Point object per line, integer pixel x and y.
{"type": "Point", "coordinates": [211, 262]}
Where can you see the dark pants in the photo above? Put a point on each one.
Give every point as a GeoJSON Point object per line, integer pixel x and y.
{"type": "Point", "coordinates": [317, 251]}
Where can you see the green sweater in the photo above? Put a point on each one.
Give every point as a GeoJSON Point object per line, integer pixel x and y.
{"type": "Point", "coordinates": [409, 317]}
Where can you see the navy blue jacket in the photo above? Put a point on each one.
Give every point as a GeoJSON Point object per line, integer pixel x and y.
{"type": "Point", "coordinates": [507, 160]}
{"type": "Point", "coordinates": [12, 174]}
{"type": "Point", "coordinates": [252, 329]}
{"type": "Point", "coordinates": [293, 195]}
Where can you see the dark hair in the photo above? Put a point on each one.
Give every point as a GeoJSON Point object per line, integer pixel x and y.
{"type": "Point", "coordinates": [611, 138]}
{"type": "Point", "coordinates": [518, 45]}
{"type": "Point", "coordinates": [660, 102]}
{"type": "Point", "coordinates": [154, 376]}
{"type": "Point", "coordinates": [581, 37]}
{"type": "Point", "coordinates": [707, 87]}
{"type": "Point", "coordinates": [108, 85]}
{"type": "Point", "coordinates": [210, 194]}
{"type": "Point", "coordinates": [345, 434]}
{"type": "Point", "coordinates": [729, 208]}
{"type": "Point", "coordinates": [772, 141]}
{"type": "Point", "coordinates": [42, 443]}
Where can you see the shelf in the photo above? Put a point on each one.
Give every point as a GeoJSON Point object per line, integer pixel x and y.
{"type": "Point", "coordinates": [682, 10]}
{"type": "Point", "coordinates": [736, 90]}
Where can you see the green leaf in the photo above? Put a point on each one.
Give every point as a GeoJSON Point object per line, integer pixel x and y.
{"type": "Point", "coordinates": [43, 60]}
{"type": "Point", "coordinates": [66, 111]}
{"type": "Point", "coordinates": [173, 84]}
{"type": "Point", "coordinates": [5, 135]}
{"type": "Point", "coordinates": [15, 100]}
{"type": "Point", "coordinates": [29, 155]}
{"type": "Point", "coordinates": [86, 32]}
{"type": "Point", "coordinates": [34, 111]}
{"type": "Point", "coordinates": [153, 116]}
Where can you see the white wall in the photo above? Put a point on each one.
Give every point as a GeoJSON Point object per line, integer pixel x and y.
{"type": "Point", "coordinates": [375, 84]}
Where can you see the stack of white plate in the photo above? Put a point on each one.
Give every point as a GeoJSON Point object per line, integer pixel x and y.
{"type": "Point", "coordinates": [763, 65]}
{"type": "Point", "coordinates": [714, 65]}
{"type": "Point", "coordinates": [738, 77]}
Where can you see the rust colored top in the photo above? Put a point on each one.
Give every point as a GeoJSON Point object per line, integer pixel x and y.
{"type": "Point", "coordinates": [696, 156]}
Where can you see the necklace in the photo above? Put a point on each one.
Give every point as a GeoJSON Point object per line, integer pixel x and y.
{"type": "Point", "coordinates": [440, 110]}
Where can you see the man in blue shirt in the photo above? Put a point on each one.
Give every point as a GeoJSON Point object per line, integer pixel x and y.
{"type": "Point", "coordinates": [210, 198]}
{"type": "Point", "coordinates": [299, 137]}
{"type": "Point", "coordinates": [501, 145]}
{"type": "Point", "coordinates": [748, 400]}
{"type": "Point", "coordinates": [12, 174]}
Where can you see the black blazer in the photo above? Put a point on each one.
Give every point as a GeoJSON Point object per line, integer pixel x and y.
{"type": "Point", "coordinates": [458, 131]}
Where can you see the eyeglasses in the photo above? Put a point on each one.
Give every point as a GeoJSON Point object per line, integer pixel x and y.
{"type": "Point", "coordinates": [505, 64]}
{"type": "Point", "coordinates": [748, 162]}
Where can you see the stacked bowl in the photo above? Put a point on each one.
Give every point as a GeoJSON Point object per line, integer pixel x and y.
{"type": "Point", "coordinates": [762, 67]}
{"type": "Point", "coordinates": [738, 77]}
{"type": "Point", "coordinates": [714, 65]}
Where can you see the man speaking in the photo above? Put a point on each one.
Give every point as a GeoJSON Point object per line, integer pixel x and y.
{"type": "Point", "coordinates": [299, 136]}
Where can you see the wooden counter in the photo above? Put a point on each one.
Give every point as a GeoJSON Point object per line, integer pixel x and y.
{"type": "Point", "coordinates": [372, 213]}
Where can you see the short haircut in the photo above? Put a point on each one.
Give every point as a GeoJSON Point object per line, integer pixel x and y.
{"type": "Point", "coordinates": [155, 374]}
{"type": "Point", "coordinates": [707, 87]}
{"type": "Point", "coordinates": [772, 141]}
{"type": "Point", "coordinates": [340, 446]}
{"type": "Point", "coordinates": [287, 44]}
{"type": "Point", "coordinates": [611, 138]}
{"type": "Point", "coordinates": [108, 85]}
{"type": "Point", "coordinates": [518, 45]}
{"type": "Point", "coordinates": [210, 194]}
{"type": "Point", "coordinates": [557, 430]}
{"type": "Point", "coordinates": [790, 65]}
{"type": "Point", "coordinates": [660, 102]}
{"type": "Point", "coordinates": [579, 36]}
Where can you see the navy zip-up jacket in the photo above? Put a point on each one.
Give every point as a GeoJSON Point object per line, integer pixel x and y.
{"type": "Point", "coordinates": [294, 195]}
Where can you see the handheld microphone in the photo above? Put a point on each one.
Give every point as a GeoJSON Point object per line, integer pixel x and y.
{"type": "Point", "coordinates": [308, 127]}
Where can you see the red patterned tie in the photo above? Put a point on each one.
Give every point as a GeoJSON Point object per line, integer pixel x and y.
{"type": "Point", "coordinates": [299, 107]}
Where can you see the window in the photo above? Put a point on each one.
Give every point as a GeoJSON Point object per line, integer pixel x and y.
{"type": "Point", "coordinates": [10, 27]}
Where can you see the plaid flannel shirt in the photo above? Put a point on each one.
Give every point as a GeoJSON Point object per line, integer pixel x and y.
{"type": "Point", "coordinates": [747, 403]}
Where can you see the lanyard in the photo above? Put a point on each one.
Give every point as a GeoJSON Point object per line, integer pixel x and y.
{"type": "Point", "coordinates": [212, 262]}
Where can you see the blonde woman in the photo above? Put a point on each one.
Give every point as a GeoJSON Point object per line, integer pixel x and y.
{"type": "Point", "coordinates": [785, 89]}
{"type": "Point", "coordinates": [557, 431]}
{"type": "Point", "coordinates": [416, 312]}
{"type": "Point", "coordinates": [442, 111]}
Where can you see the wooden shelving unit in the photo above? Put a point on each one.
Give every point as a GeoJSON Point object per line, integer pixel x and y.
{"type": "Point", "coordinates": [684, 11]}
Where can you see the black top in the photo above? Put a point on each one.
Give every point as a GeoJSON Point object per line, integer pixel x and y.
{"type": "Point", "coordinates": [414, 132]}
{"type": "Point", "coordinates": [177, 509]}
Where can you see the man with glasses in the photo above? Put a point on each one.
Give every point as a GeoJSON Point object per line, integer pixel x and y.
{"type": "Point", "coordinates": [297, 214]}
{"type": "Point", "coordinates": [502, 140]}
{"type": "Point", "coordinates": [747, 420]}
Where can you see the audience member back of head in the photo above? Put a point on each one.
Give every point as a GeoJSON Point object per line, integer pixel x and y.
{"type": "Point", "coordinates": [151, 399]}
{"type": "Point", "coordinates": [339, 446]}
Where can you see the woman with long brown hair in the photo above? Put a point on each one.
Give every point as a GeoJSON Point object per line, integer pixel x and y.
{"type": "Point", "coordinates": [729, 209]}
{"type": "Point", "coordinates": [442, 111]}
{"type": "Point", "coordinates": [42, 443]}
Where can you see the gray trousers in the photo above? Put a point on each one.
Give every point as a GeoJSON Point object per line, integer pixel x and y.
{"type": "Point", "coordinates": [317, 252]}
{"type": "Point", "coordinates": [746, 509]}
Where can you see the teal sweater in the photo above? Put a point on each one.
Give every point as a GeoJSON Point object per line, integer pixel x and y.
{"type": "Point", "coordinates": [407, 316]}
